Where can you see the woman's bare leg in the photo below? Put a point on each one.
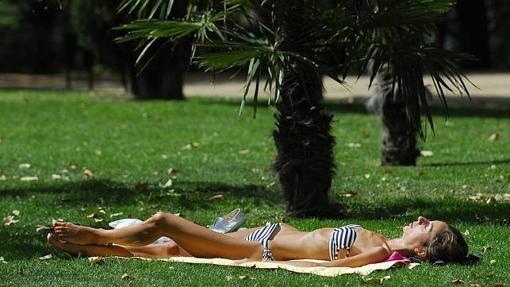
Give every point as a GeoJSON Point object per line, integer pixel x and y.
{"type": "Point", "coordinates": [195, 239]}
{"type": "Point", "coordinates": [150, 251]}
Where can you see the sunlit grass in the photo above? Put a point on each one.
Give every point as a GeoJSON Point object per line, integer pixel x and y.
{"type": "Point", "coordinates": [92, 153]}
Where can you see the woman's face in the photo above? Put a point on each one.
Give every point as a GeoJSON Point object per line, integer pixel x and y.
{"type": "Point", "coordinates": [423, 230]}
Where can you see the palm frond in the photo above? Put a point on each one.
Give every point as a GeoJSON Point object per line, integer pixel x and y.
{"type": "Point", "coordinates": [147, 9]}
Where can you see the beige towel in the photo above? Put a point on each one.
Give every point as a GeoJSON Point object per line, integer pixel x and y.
{"type": "Point", "coordinates": [322, 271]}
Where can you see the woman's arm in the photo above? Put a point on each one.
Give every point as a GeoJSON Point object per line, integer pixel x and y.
{"type": "Point", "coordinates": [374, 255]}
{"type": "Point", "coordinates": [377, 254]}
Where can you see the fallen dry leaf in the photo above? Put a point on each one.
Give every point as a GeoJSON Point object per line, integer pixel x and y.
{"type": "Point", "coordinates": [385, 278]}
{"type": "Point", "coordinates": [494, 137]}
{"type": "Point", "coordinates": [475, 285]}
{"type": "Point", "coordinates": [244, 277]}
{"type": "Point", "coordinates": [29, 178]}
{"type": "Point", "coordinates": [216, 197]}
{"type": "Point", "coordinates": [141, 186]}
{"type": "Point", "coordinates": [46, 257]}
{"type": "Point", "coordinates": [486, 248]}
{"type": "Point", "coordinates": [88, 173]}
{"type": "Point", "coordinates": [168, 183]}
{"type": "Point", "coordinates": [24, 165]}
{"type": "Point", "coordinates": [116, 214]}
{"type": "Point", "coordinates": [96, 260]}
{"type": "Point", "coordinates": [10, 220]}
{"type": "Point", "coordinates": [426, 153]}
{"type": "Point", "coordinates": [492, 261]}
{"type": "Point", "coordinates": [490, 200]}
{"type": "Point", "coordinates": [457, 281]}
{"type": "Point", "coordinates": [56, 176]}
{"type": "Point", "coordinates": [353, 145]}
{"type": "Point", "coordinates": [171, 171]}
{"type": "Point", "coordinates": [348, 194]}
{"type": "Point", "coordinates": [244, 151]}
{"type": "Point", "coordinates": [15, 212]}
{"type": "Point", "coordinates": [95, 216]}
{"type": "Point", "coordinates": [43, 228]}
{"type": "Point", "coordinates": [127, 277]}
{"type": "Point", "coordinates": [164, 156]}
{"type": "Point", "coordinates": [3, 177]}
{"type": "Point", "coordinates": [190, 146]}
{"type": "Point", "coordinates": [2, 260]}
{"type": "Point", "coordinates": [375, 280]}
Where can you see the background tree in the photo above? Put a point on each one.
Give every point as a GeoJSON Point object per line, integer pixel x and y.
{"type": "Point", "coordinates": [400, 114]}
{"type": "Point", "coordinates": [162, 78]}
{"type": "Point", "coordinates": [301, 44]}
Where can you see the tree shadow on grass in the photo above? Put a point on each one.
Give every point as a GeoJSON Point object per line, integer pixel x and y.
{"type": "Point", "coordinates": [341, 106]}
{"type": "Point", "coordinates": [18, 244]}
{"type": "Point", "coordinates": [485, 162]}
{"type": "Point", "coordinates": [473, 111]}
{"type": "Point", "coordinates": [448, 209]}
{"type": "Point", "coordinates": [191, 195]}
{"type": "Point", "coordinates": [22, 242]}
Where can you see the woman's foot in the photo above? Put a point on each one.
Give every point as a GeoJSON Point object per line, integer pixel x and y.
{"type": "Point", "coordinates": [60, 245]}
{"type": "Point", "coordinates": [87, 250]}
{"type": "Point", "coordinates": [75, 234]}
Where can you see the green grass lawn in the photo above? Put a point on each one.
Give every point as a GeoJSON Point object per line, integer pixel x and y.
{"type": "Point", "coordinates": [127, 149]}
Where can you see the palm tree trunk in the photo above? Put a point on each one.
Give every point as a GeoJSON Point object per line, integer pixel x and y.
{"type": "Point", "coordinates": [304, 144]}
{"type": "Point", "coordinates": [399, 135]}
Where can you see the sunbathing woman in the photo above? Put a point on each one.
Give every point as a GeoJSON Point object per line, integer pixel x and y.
{"type": "Point", "coordinates": [350, 245]}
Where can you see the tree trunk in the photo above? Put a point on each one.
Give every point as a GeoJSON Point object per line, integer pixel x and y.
{"type": "Point", "coordinates": [399, 135]}
{"type": "Point", "coordinates": [304, 144]}
{"type": "Point", "coordinates": [474, 36]}
{"type": "Point", "coordinates": [163, 78]}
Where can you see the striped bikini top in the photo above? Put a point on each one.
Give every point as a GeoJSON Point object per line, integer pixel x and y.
{"type": "Point", "coordinates": [342, 238]}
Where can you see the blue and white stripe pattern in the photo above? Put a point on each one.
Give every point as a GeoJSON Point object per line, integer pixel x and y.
{"type": "Point", "coordinates": [263, 236]}
{"type": "Point", "coordinates": [342, 238]}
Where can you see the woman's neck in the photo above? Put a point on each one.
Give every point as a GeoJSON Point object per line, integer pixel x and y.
{"type": "Point", "coordinates": [399, 245]}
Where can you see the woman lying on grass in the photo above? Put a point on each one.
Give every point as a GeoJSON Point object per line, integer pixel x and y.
{"type": "Point", "coordinates": [349, 245]}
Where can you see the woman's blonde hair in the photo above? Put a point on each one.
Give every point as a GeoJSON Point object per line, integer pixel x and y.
{"type": "Point", "coordinates": [448, 246]}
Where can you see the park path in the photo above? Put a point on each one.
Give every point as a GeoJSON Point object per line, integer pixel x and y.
{"type": "Point", "coordinates": [491, 88]}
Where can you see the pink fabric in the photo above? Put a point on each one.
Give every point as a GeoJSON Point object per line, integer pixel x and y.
{"type": "Point", "coordinates": [395, 256]}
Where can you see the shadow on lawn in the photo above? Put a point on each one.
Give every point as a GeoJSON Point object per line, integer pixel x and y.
{"type": "Point", "coordinates": [18, 244]}
{"type": "Point", "coordinates": [448, 209]}
{"type": "Point", "coordinates": [486, 162]}
{"type": "Point", "coordinates": [335, 106]}
{"type": "Point", "coordinates": [21, 242]}
{"type": "Point", "coordinates": [191, 195]}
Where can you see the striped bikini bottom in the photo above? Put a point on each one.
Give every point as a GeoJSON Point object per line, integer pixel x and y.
{"type": "Point", "coordinates": [263, 235]}
{"type": "Point", "coordinates": [342, 238]}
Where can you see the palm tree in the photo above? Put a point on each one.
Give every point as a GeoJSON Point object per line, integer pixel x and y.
{"type": "Point", "coordinates": [297, 43]}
